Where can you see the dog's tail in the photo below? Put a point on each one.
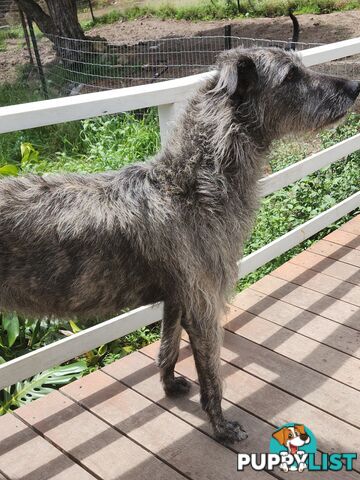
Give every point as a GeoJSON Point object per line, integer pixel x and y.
{"type": "Point", "coordinates": [296, 30]}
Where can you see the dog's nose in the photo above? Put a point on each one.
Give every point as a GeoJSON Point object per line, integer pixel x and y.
{"type": "Point", "coordinates": [304, 437]}
{"type": "Point", "coordinates": [352, 88]}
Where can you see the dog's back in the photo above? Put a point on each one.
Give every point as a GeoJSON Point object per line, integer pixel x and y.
{"type": "Point", "coordinates": [68, 243]}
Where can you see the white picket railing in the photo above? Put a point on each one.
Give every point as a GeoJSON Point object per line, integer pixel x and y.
{"type": "Point", "coordinates": [168, 96]}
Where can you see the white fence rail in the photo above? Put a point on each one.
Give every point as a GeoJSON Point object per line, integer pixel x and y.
{"type": "Point", "coordinates": [84, 341]}
{"type": "Point", "coordinates": [59, 110]}
{"type": "Point", "coordinates": [309, 165]}
{"type": "Point", "coordinates": [167, 96]}
{"type": "Point", "coordinates": [298, 235]}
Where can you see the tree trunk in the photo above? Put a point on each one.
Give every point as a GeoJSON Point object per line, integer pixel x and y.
{"type": "Point", "coordinates": [37, 14]}
{"type": "Point", "coordinates": [62, 19]}
{"type": "Point", "coordinates": [64, 15]}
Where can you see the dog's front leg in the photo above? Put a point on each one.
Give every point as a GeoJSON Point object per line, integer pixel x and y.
{"type": "Point", "coordinates": [169, 351]}
{"type": "Point", "coordinates": [205, 337]}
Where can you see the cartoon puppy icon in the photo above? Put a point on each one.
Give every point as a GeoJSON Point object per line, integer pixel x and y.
{"type": "Point", "coordinates": [292, 438]}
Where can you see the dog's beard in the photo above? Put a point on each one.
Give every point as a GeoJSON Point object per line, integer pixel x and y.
{"type": "Point", "coordinates": [338, 120]}
{"type": "Point", "coordinates": [331, 123]}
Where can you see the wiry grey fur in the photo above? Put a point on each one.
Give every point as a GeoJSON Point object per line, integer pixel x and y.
{"type": "Point", "coordinates": [171, 229]}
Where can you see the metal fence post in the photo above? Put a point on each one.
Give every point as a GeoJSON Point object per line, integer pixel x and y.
{"type": "Point", "coordinates": [37, 57]}
{"type": "Point", "coordinates": [26, 35]}
{"type": "Point", "coordinates": [227, 34]}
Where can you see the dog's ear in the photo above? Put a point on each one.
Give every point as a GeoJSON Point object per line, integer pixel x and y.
{"type": "Point", "coordinates": [281, 435]}
{"type": "Point", "coordinates": [300, 429]}
{"type": "Point", "coordinates": [237, 76]}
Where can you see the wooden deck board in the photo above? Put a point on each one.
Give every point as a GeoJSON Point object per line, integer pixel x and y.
{"type": "Point", "coordinates": [307, 351]}
{"type": "Point", "coordinates": [319, 263]}
{"type": "Point", "coordinates": [348, 292]}
{"type": "Point", "coordinates": [353, 226]}
{"type": "Point", "coordinates": [291, 353]}
{"type": "Point", "coordinates": [290, 376]}
{"type": "Point", "coordinates": [273, 405]}
{"type": "Point", "coordinates": [347, 239]}
{"type": "Point", "coordinates": [92, 442]}
{"type": "Point", "coordinates": [162, 433]}
{"type": "Point", "coordinates": [309, 300]}
{"type": "Point", "coordinates": [27, 456]}
{"type": "Point", "coordinates": [336, 252]}
{"type": "Point", "coordinates": [145, 381]}
{"type": "Point", "coordinates": [304, 322]}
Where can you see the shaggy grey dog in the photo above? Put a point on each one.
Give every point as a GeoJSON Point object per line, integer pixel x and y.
{"type": "Point", "coordinates": [171, 229]}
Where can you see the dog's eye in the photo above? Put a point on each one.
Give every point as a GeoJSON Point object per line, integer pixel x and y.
{"type": "Point", "coordinates": [292, 74]}
{"type": "Point", "coordinates": [290, 435]}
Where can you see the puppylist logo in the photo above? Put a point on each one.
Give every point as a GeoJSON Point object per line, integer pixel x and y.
{"type": "Point", "coordinates": [293, 449]}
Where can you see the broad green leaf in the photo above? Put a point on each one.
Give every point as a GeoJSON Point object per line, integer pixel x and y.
{"type": "Point", "coordinates": [28, 154]}
{"type": "Point", "coordinates": [89, 356]}
{"type": "Point", "coordinates": [74, 327]}
{"type": "Point", "coordinates": [8, 170]}
{"type": "Point", "coordinates": [42, 384]}
{"type": "Point", "coordinates": [128, 348]}
{"type": "Point", "coordinates": [25, 151]}
{"type": "Point", "coordinates": [102, 350]}
{"type": "Point", "coordinates": [35, 333]}
{"type": "Point", "coordinates": [10, 323]}
{"type": "Point", "coordinates": [2, 360]}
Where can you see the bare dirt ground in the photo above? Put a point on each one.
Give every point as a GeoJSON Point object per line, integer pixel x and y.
{"type": "Point", "coordinates": [328, 28]}
{"type": "Point", "coordinates": [314, 29]}
{"type": "Point", "coordinates": [16, 55]}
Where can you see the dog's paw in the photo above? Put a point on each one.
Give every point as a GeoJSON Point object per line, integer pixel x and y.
{"type": "Point", "coordinates": [177, 386]}
{"type": "Point", "coordinates": [230, 432]}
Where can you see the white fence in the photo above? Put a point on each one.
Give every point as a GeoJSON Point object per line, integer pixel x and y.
{"type": "Point", "coordinates": [167, 96]}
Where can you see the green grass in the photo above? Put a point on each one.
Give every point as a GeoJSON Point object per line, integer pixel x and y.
{"type": "Point", "coordinates": [104, 143]}
{"type": "Point", "coordinates": [225, 9]}
{"type": "Point", "coordinates": [101, 144]}
{"type": "Point", "coordinates": [6, 34]}
{"type": "Point", "coordinates": [64, 137]}
{"type": "Point", "coordinates": [13, 33]}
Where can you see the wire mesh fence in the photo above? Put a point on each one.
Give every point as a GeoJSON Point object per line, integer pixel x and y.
{"type": "Point", "coordinates": [84, 66]}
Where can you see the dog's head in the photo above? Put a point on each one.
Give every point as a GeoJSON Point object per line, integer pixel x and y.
{"type": "Point", "coordinates": [272, 89]}
{"type": "Point", "coordinates": [292, 437]}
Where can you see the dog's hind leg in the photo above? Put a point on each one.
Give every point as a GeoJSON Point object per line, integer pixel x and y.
{"type": "Point", "coordinates": [169, 351]}
{"type": "Point", "coordinates": [205, 338]}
